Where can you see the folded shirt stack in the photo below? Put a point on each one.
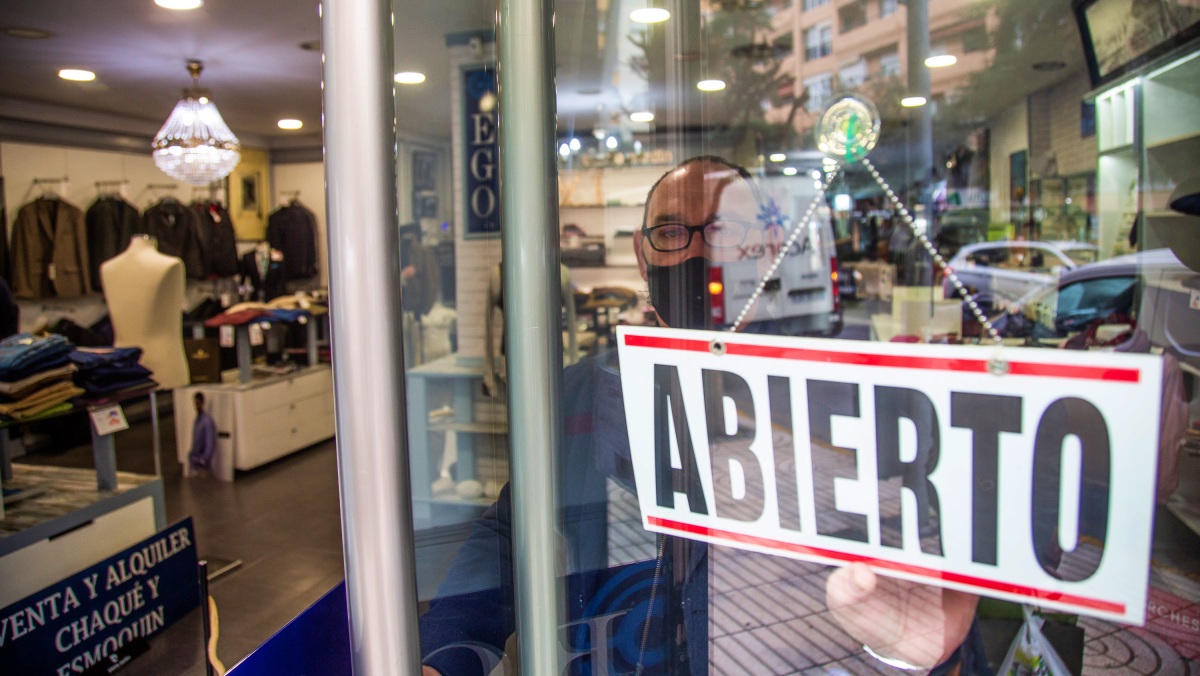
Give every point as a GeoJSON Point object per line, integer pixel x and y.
{"type": "Point", "coordinates": [35, 376]}
{"type": "Point", "coordinates": [246, 313]}
{"type": "Point", "coordinates": [105, 371]}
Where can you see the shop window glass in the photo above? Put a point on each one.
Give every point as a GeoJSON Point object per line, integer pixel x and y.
{"type": "Point", "coordinates": [663, 216]}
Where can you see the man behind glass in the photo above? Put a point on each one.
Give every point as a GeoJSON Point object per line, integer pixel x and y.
{"type": "Point", "coordinates": [700, 214]}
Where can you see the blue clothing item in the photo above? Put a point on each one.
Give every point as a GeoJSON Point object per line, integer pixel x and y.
{"type": "Point", "coordinates": [95, 357]}
{"type": "Point", "coordinates": [281, 315]}
{"type": "Point", "coordinates": [204, 441]}
{"type": "Point", "coordinates": [24, 354]}
{"type": "Point", "coordinates": [474, 609]}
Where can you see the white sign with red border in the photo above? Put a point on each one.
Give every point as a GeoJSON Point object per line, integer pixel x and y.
{"type": "Point", "coordinates": [1023, 474]}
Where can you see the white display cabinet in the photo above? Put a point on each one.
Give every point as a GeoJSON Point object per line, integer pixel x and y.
{"type": "Point", "coordinates": [1148, 136]}
{"type": "Point", "coordinates": [258, 421]}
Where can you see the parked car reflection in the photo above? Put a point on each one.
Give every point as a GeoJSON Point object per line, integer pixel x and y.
{"type": "Point", "coordinates": [1151, 290]}
{"type": "Point", "coordinates": [998, 274]}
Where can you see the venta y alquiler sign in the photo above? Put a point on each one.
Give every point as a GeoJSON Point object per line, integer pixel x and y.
{"type": "Point", "coordinates": [88, 620]}
{"type": "Point", "coordinates": [1035, 486]}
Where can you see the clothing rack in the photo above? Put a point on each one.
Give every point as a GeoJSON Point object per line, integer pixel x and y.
{"type": "Point", "coordinates": [213, 189]}
{"type": "Point", "coordinates": [290, 197]}
{"type": "Point", "coordinates": [64, 185]}
{"type": "Point", "coordinates": [122, 186]}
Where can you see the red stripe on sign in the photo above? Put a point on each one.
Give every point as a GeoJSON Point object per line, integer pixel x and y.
{"type": "Point", "coordinates": [1020, 368]}
{"type": "Point", "coordinates": [977, 582]}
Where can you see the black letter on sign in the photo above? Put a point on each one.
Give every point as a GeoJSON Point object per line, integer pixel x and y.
{"type": "Point", "coordinates": [827, 399]}
{"type": "Point", "coordinates": [669, 479]}
{"type": "Point", "coordinates": [724, 447]}
{"type": "Point", "coordinates": [1063, 418]}
{"type": "Point", "coordinates": [892, 404]}
{"type": "Point", "coordinates": [986, 415]}
{"type": "Point", "coordinates": [787, 490]}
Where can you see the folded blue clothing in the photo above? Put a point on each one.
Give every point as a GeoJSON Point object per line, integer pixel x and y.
{"type": "Point", "coordinates": [280, 315]}
{"type": "Point", "coordinates": [102, 374]}
{"type": "Point", "coordinates": [24, 354]}
{"type": "Point", "coordinates": [114, 386]}
{"type": "Point", "coordinates": [93, 357]}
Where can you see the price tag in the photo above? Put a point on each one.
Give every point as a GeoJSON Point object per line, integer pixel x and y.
{"type": "Point", "coordinates": [108, 419]}
{"type": "Point", "coordinates": [225, 335]}
{"type": "Point", "coordinates": [256, 335]}
{"type": "Point", "coordinates": [1194, 301]}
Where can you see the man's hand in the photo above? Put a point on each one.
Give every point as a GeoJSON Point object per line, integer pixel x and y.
{"type": "Point", "coordinates": [915, 623]}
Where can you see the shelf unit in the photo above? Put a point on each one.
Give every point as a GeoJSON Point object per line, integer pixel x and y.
{"type": "Point", "coordinates": [1148, 137]}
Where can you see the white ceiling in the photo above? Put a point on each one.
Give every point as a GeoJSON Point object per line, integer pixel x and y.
{"type": "Point", "coordinates": [253, 63]}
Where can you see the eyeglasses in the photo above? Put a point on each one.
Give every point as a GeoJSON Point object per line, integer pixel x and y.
{"type": "Point", "coordinates": [678, 236]}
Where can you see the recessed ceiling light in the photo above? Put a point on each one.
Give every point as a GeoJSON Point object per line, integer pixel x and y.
{"type": "Point", "coordinates": [913, 101]}
{"type": "Point", "coordinates": [941, 61]}
{"type": "Point", "coordinates": [642, 116]}
{"type": "Point", "coordinates": [789, 171]}
{"type": "Point", "coordinates": [777, 157]}
{"type": "Point", "coordinates": [27, 33]}
{"type": "Point", "coordinates": [179, 4]}
{"type": "Point", "coordinates": [290, 124]}
{"type": "Point", "coordinates": [410, 77]}
{"type": "Point", "coordinates": [649, 15]}
{"type": "Point", "coordinates": [76, 75]}
{"type": "Point", "coordinates": [710, 85]}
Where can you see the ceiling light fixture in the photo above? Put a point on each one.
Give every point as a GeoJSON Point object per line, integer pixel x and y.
{"type": "Point", "coordinates": [789, 171]}
{"type": "Point", "coordinates": [710, 85]}
{"type": "Point", "coordinates": [179, 4]}
{"type": "Point", "coordinates": [409, 77]}
{"type": "Point", "coordinates": [26, 33]}
{"type": "Point", "coordinates": [642, 116]}
{"type": "Point", "coordinates": [913, 101]}
{"type": "Point", "coordinates": [941, 61]}
{"type": "Point", "coordinates": [777, 157]}
{"type": "Point", "coordinates": [195, 145]}
{"type": "Point", "coordinates": [76, 75]}
{"type": "Point", "coordinates": [290, 124]}
{"type": "Point", "coordinates": [649, 15]}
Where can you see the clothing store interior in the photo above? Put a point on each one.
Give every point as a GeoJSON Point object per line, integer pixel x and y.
{"type": "Point", "coordinates": [1004, 194]}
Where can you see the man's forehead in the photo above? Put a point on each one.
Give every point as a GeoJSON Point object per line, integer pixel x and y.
{"type": "Point", "coordinates": [705, 183]}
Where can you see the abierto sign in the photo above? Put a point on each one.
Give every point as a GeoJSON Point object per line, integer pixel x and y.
{"type": "Point", "coordinates": [1036, 485]}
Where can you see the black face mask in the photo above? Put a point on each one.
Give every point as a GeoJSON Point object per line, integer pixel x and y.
{"type": "Point", "coordinates": [680, 293]}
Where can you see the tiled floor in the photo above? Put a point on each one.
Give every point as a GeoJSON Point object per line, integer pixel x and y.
{"type": "Point", "coordinates": [281, 521]}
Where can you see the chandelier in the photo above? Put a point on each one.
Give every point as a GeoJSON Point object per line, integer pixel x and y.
{"type": "Point", "coordinates": [195, 145]}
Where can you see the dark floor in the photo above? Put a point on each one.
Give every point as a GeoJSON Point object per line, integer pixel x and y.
{"type": "Point", "coordinates": [280, 520]}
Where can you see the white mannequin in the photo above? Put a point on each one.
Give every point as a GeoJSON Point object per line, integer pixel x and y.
{"type": "Point", "coordinates": [144, 290]}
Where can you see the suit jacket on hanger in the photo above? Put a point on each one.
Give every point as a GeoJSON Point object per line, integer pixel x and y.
{"type": "Point", "coordinates": [217, 228]}
{"type": "Point", "coordinates": [293, 230]}
{"type": "Point", "coordinates": [111, 221]}
{"type": "Point", "coordinates": [273, 285]}
{"type": "Point", "coordinates": [177, 229]}
{"type": "Point", "coordinates": [50, 250]}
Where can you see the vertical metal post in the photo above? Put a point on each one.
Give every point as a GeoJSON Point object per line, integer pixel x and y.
{"type": "Point", "coordinates": [921, 129]}
{"type": "Point", "coordinates": [532, 320]}
{"type": "Point", "coordinates": [364, 281]}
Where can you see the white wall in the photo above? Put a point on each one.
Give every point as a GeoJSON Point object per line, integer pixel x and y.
{"type": "Point", "coordinates": [1009, 133]}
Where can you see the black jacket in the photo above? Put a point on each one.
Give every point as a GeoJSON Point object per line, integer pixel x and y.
{"type": "Point", "coordinates": [293, 230]}
{"type": "Point", "coordinates": [111, 221]}
{"type": "Point", "coordinates": [218, 238]}
{"type": "Point", "coordinates": [265, 289]}
{"type": "Point", "coordinates": [177, 229]}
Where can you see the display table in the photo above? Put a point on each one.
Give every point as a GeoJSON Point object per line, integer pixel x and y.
{"type": "Point", "coordinates": [260, 420]}
{"type": "Point", "coordinates": [69, 523]}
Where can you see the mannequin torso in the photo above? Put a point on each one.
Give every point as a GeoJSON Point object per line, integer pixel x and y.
{"type": "Point", "coordinates": [144, 290]}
